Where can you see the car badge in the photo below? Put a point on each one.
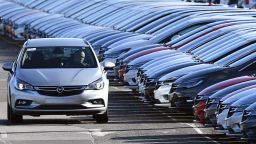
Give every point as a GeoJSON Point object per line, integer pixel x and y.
{"type": "Point", "coordinates": [60, 89]}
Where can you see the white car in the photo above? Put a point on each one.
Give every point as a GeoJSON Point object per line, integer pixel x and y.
{"type": "Point", "coordinates": [57, 76]}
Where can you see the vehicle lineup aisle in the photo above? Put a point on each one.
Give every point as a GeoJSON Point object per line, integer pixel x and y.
{"type": "Point", "coordinates": [130, 121]}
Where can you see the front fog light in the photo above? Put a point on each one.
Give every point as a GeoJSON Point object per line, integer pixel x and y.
{"type": "Point", "coordinates": [97, 101]}
{"type": "Point", "coordinates": [22, 102]}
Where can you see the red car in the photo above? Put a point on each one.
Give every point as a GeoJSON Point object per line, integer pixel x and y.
{"type": "Point", "coordinates": [201, 98]}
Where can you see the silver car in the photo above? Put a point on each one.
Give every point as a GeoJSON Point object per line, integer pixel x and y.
{"type": "Point", "coordinates": [57, 76]}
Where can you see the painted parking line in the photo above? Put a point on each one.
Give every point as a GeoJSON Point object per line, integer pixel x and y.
{"type": "Point", "coordinates": [195, 128]}
{"type": "Point", "coordinates": [3, 134]}
{"type": "Point", "coordinates": [3, 137]}
{"type": "Point", "coordinates": [199, 131]}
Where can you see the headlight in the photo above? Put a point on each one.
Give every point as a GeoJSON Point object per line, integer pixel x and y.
{"type": "Point", "coordinates": [167, 82]}
{"type": "Point", "coordinates": [96, 85]}
{"type": "Point", "coordinates": [192, 83]}
{"type": "Point", "coordinates": [21, 85]}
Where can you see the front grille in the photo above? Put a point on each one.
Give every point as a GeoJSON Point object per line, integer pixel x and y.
{"type": "Point", "coordinates": [67, 90]}
{"type": "Point", "coordinates": [60, 107]}
{"type": "Point", "coordinates": [150, 83]}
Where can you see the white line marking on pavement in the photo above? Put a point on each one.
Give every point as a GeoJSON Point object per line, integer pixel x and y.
{"type": "Point", "coordinates": [195, 128]}
{"type": "Point", "coordinates": [115, 87]}
{"type": "Point", "coordinates": [97, 132]}
{"type": "Point", "coordinates": [173, 119]}
{"type": "Point", "coordinates": [3, 137]}
{"type": "Point", "coordinates": [3, 134]}
{"type": "Point", "coordinates": [101, 134]}
{"type": "Point", "coordinates": [201, 132]}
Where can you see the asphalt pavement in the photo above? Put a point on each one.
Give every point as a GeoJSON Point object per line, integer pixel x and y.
{"type": "Point", "coordinates": [131, 121]}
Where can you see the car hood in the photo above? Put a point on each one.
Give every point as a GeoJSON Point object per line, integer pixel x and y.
{"type": "Point", "coordinates": [180, 59]}
{"type": "Point", "coordinates": [238, 96]}
{"type": "Point", "coordinates": [150, 56]}
{"type": "Point", "coordinates": [228, 90]}
{"type": "Point", "coordinates": [59, 77]}
{"type": "Point", "coordinates": [245, 101]}
{"type": "Point", "coordinates": [183, 71]}
{"type": "Point", "coordinates": [251, 107]}
{"type": "Point", "coordinates": [127, 46]}
{"type": "Point", "coordinates": [131, 52]}
{"type": "Point", "coordinates": [224, 84]}
{"type": "Point", "coordinates": [211, 71]}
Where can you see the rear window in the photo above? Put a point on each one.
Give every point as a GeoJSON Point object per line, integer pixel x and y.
{"type": "Point", "coordinates": [58, 57]}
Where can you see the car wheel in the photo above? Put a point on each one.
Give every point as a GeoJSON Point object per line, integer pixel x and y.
{"type": "Point", "coordinates": [101, 118]}
{"type": "Point", "coordinates": [12, 117]}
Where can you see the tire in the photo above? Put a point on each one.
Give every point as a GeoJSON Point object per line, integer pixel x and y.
{"type": "Point", "coordinates": [101, 118]}
{"type": "Point", "coordinates": [12, 117]}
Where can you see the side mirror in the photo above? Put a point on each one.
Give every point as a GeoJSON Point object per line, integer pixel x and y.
{"type": "Point", "coordinates": [7, 66]}
{"type": "Point", "coordinates": [108, 65]}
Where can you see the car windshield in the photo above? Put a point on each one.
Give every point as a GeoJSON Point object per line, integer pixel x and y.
{"type": "Point", "coordinates": [58, 57]}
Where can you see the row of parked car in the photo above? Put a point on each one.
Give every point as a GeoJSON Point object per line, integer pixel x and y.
{"type": "Point", "coordinates": [175, 54]}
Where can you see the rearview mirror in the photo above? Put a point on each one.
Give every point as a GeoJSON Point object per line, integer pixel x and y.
{"type": "Point", "coordinates": [7, 66]}
{"type": "Point", "coordinates": [108, 65]}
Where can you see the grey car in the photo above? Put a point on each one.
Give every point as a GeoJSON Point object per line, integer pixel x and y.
{"type": "Point", "coordinates": [57, 76]}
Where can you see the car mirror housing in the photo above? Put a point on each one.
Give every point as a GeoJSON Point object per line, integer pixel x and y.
{"type": "Point", "coordinates": [7, 66]}
{"type": "Point", "coordinates": [108, 65]}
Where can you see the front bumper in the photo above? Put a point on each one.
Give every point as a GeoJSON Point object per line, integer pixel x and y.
{"type": "Point", "coordinates": [130, 77]}
{"type": "Point", "coordinates": [68, 105]}
{"type": "Point", "coordinates": [221, 119]}
{"type": "Point", "coordinates": [244, 126]}
{"type": "Point", "coordinates": [161, 94]}
{"type": "Point", "coordinates": [233, 122]}
{"type": "Point", "coordinates": [248, 128]}
{"type": "Point", "coordinates": [182, 100]}
{"type": "Point", "coordinates": [198, 111]}
{"type": "Point", "coordinates": [210, 113]}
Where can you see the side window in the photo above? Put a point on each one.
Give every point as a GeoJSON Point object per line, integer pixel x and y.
{"type": "Point", "coordinates": [250, 67]}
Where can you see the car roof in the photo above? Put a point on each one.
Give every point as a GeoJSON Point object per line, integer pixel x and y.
{"type": "Point", "coordinates": [48, 42]}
